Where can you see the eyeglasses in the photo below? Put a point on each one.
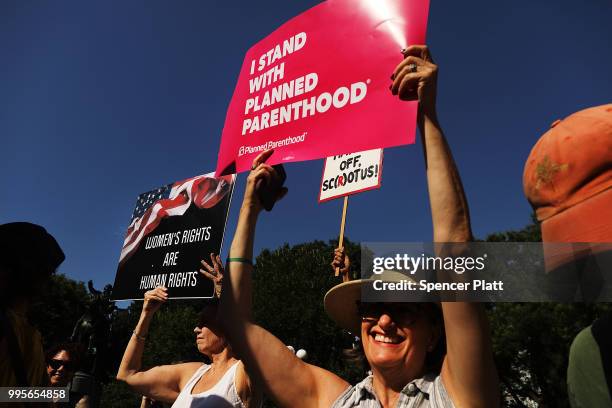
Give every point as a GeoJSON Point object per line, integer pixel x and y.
{"type": "Point", "coordinates": [403, 313]}
{"type": "Point", "coordinates": [56, 364]}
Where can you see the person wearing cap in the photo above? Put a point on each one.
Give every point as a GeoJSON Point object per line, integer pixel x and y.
{"type": "Point", "coordinates": [568, 181]}
{"type": "Point", "coordinates": [29, 255]}
{"type": "Point", "coordinates": [396, 338]}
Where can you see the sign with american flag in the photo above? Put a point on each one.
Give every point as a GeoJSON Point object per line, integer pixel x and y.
{"type": "Point", "coordinates": [172, 228]}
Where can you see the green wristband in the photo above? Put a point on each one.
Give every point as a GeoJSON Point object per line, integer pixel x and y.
{"type": "Point", "coordinates": [240, 260]}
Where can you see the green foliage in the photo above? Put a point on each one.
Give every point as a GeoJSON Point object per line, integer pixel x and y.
{"type": "Point", "coordinates": [531, 344]}
{"type": "Point", "coordinates": [59, 307]}
{"type": "Point", "coordinates": [171, 338]}
{"type": "Point", "coordinates": [117, 394]}
{"type": "Point", "coordinates": [530, 233]}
{"type": "Point", "coordinates": [531, 341]}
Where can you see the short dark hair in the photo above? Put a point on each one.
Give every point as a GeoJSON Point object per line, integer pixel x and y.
{"type": "Point", "coordinates": [76, 351]}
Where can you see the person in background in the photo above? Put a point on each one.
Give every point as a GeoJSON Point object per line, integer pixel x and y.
{"type": "Point", "coordinates": [396, 337]}
{"type": "Point", "coordinates": [63, 361]}
{"type": "Point", "coordinates": [568, 181]}
{"type": "Point", "coordinates": [29, 255]}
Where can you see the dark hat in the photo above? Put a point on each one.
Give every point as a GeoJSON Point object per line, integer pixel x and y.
{"type": "Point", "coordinates": [27, 241]}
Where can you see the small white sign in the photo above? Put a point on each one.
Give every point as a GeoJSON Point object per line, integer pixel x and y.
{"type": "Point", "coordinates": [350, 174]}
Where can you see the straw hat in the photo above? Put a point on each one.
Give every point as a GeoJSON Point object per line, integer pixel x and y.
{"type": "Point", "coordinates": [341, 301]}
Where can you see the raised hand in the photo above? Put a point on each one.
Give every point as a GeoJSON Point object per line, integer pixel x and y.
{"type": "Point", "coordinates": [263, 176]}
{"type": "Point", "coordinates": [153, 299]}
{"type": "Point", "coordinates": [416, 78]}
{"type": "Point", "coordinates": [342, 263]}
{"type": "Point", "coordinates": [214, 272]}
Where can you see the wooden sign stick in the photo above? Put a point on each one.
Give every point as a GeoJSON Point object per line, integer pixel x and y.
{"type": "Point", "coordinates": [341, 240]}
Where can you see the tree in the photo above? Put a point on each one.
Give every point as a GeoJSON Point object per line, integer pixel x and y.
{"type": "Point", "coordinates": [531, 344]}
{"type": "Point", "coordinates": [56, 311]}
{"type": "Point", "coordinates": [531, 341]}
{"type": "Point", "coordinates": [530, 233]}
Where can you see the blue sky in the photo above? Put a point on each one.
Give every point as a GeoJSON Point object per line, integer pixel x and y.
{"type": "Point", "coordinates": [100, 101]}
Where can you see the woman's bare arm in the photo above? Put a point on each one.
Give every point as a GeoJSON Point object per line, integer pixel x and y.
{"type": "Point", "coordinates": [468, 371]}
{"type": "Point", "coordinates": [286, 379]}
{"type": "Point", "coordinates": [162, 382]}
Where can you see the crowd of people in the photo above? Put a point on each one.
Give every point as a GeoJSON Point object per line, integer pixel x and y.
{"type": "Point", "coordinates": [436, 354]}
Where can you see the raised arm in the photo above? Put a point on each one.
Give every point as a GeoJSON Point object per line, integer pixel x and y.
{"type": "Point", "coordinates": [161, 383]}
{"type": "Point", "coordinates": [285, 378]}
{"type": "Point", "coordinates": [468, 371]}
{"type": "Point", "coordinates": [248, 391]}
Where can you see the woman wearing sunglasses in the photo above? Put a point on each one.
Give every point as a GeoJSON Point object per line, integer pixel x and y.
{"type": "Point", "coordinates": [223, 383]}
{"type": "Point", "coordinates": [399, 341]}
{"type": "Point", "coordinates": [63, 361]}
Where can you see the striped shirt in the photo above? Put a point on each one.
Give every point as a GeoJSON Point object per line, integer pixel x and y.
{"type": "Point", "coordinates": [425, 392]}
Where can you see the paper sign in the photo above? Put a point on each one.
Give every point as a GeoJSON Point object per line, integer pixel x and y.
{"type": "Point", "coordinates": [172, 229]}
{"type": "Point", "coordinates": [350, 174]}
{"type": "Point", "coordinates": [318, 86]}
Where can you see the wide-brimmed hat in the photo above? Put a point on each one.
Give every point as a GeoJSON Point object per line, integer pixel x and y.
{"type": "Point", "coordinates": [341, 301]}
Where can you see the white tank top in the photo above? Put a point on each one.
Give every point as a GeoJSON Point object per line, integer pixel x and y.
{"type": "Point", "coordinates": [222, 395]}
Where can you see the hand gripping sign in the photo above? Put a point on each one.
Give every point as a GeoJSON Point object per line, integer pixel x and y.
{"type": "Point", "coordinates": [318, 86]}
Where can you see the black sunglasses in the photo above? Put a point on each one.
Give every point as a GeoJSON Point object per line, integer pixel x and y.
{"type": "Point", "coordinates": [399, 312]}
{"type": "Point", "coordinates": [206, 321]}
{"type": "Point", "coordinates": [56, 364]}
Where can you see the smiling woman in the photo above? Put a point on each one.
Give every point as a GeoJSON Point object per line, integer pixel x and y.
{"type": "Point", "coordinates": [407, 317]}
{"type": "Point", "coordinates": [63, 361]}
{"type": "Point", "coordinates": [403, 343]}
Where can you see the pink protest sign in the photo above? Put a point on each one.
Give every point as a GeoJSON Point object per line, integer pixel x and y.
{"type": "Point", "coordinates": [318, 86]}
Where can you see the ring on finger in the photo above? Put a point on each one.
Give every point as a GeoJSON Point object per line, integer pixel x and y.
{"type": "Point", "coordinates": [412, 67]}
